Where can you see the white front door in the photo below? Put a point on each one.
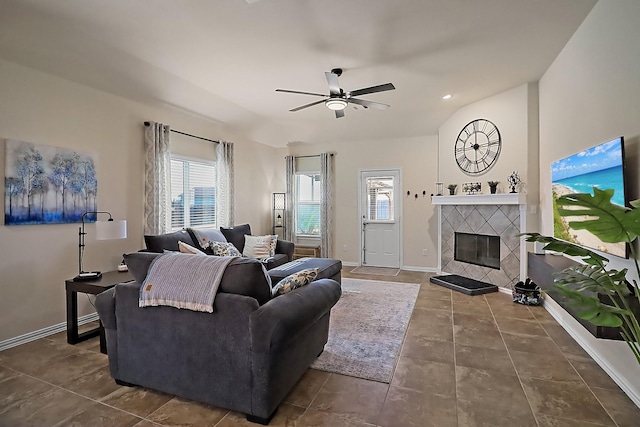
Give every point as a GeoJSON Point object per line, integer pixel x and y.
{"type": "Point", "coordinates": [380, 218]}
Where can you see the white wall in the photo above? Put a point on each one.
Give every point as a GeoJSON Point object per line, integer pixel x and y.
{"type": "Point", "coordinates": [417, 158]}
{"type": "Point", "coordinates": [35, 260]}
{"type": "Point", "coordinates": [591, 94]}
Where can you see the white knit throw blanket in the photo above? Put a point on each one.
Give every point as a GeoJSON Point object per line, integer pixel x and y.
{"type": "Point", "coordinates": [183, 281]}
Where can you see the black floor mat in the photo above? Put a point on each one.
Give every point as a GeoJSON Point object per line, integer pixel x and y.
{"type": "Point", "coordinates": [464, 284]}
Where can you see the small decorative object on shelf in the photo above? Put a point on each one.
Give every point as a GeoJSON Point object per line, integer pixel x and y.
{"type": "Point", "coordinates": [493, 186]}
{"type": "Point", "coordinates": [471, 187]}
{"type": "Point", "coordinates": [514, 180]}
{"type": "Point", "coordinates": [527, 293]}
{"type": "Point", "coordinates": [452, 189]}
{"type": "Point", "coordinates": [439, 190]}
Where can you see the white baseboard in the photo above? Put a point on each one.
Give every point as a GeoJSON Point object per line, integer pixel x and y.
{"type": "Point", "coordinates": [44, 332]}
{"type": "Point", "coordinates": [350, 263]}
{"type": "Point", "coordinates": [422, 269]}
{"type": "Point", "coordinates": [576, 332]}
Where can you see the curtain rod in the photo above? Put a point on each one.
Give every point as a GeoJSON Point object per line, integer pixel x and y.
{"type": "Point", "coordinates": [314, 155]}
{"type": "Point", "coordinates": [187, 134]}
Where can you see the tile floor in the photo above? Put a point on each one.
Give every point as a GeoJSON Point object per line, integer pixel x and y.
{"type": "Point", "coordinates": [465, 361]}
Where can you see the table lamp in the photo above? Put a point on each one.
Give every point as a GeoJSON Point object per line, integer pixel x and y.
{"type": "Point", "coordinates": [105, 230]}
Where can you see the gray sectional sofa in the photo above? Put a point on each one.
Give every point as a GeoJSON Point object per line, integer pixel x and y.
{"type": "Point", "coordinates": [235, 235]}
{"type": "Point", "coordinates": [246, 356]}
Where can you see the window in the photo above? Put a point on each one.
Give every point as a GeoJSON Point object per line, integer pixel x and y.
{"type": "Point", "coordinates": [193, 194]}
{"type": "Point", "coordinates": [380, 199]}
{"type": "Point", "coordinates": [308, 187]}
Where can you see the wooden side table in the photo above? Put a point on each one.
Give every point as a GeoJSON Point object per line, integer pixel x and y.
{"type": "Point", "coordinates": [108, 280]}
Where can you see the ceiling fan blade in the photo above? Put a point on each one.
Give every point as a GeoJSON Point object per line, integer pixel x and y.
{"type": "Point", "coordinates": [339, 113]}
{"type": "Point", "coordinates": [308, 105]}
{"type": "Point", "coordinates": [378, 105]}
{"type": "Point", "coordinates": [332, 80]}
{"type": "Point", "coordinates": [301, 93]}
{"type": "Point", "coordinates": [372, 89]}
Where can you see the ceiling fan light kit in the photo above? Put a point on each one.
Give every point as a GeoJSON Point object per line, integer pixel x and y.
{"type": "Point", "coordinates": [336, 104]}
{"type": "Point", "coordinates": [338, 99]}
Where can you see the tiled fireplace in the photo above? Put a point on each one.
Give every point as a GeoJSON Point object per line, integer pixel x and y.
{"type": "Point", "coordinates": [492, 217]}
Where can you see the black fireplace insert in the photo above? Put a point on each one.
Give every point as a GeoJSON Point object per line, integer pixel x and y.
{"type": "Point", "coordinates": [478, 249]}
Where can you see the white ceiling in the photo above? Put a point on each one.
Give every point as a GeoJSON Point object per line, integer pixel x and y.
{"type": "Point", "coordinates": [223, 59]}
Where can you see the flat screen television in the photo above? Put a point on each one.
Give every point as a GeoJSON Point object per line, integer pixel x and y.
{"type": "Point", "coordinates": [601, 166]}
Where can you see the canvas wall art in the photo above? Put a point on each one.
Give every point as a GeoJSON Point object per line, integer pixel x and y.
{"type": "Point", "coordinates": [47, 185]}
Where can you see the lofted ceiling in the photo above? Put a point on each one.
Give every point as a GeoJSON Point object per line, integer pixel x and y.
{"type": "Point", "coordinates": [223, 59]}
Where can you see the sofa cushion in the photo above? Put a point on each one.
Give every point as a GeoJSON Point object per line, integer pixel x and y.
{"type": "Point", "coordinates": [259, 246]}
{"type": "Point", "coordinates": [169, 241]}
{"type": "Point", "coordinates": [236, 234]}
{"type": "Point", "coordinates": [327, 268]}
{"type": "Point", "coordinates": [201, 236]}
{"type": "Point", "coordinates": [243, 276]}
{"type": "Point", "coordinates": [247, 276]}
{"type": "Point", "coordinates": [294, 281]}
{"type": "Point", "coordinates": [220, 249]}
{"type": "Point", "coordinates": [139, 263]}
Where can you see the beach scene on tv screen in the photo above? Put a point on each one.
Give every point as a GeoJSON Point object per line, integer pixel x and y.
{"type": "Point", "coordinates": [600, 166]}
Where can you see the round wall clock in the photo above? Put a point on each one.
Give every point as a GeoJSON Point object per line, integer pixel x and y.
{"type": "Point", "coordinates": [477, 147]}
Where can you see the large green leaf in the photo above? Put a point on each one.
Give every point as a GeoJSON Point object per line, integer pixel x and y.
{"type": "Point", "coordinates": [570, 249]}
{"type": "Point", "coordinates": [592, 309]}
{"type": "Point", "coordinates": [611, 223]}
{"type": "Point", "coordinates": [593, 279]}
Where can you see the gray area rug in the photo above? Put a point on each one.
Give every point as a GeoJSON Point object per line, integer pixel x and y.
{"type": "Point", "coordinates": [367, 328]}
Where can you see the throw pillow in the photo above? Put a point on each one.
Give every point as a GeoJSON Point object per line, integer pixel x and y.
{"type": "Point", "coordinates": [294, 281]}
{"type": "Point", "coordinates": [221, 248]}
{"type": "Point", "coordinates": [236, 234]}
{"type": "Point", "coordinates": [188, 249]}
{"type": "Point", "coordinates": [257, 246]}
{"type": "Point", "coordinates": [274, 242]}
{"type": "Point", "coordinates": [203, 235]}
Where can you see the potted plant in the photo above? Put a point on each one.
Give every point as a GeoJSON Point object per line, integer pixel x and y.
{"type": "Point", "coordinates": [452, 188]}
{"type": "Point", "coordinates": [581, 284]}
{"type": "Point", "coordinates": [493, 186]}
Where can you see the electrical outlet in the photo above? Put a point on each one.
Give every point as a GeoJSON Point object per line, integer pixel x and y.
{"type": "Point", "coordinates": [344, 248]}
{"type": "Point", "coordinates": [425, 252]}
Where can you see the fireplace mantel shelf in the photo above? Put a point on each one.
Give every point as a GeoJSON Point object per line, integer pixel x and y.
{"type": "Point", "coordinates": [481, 199]}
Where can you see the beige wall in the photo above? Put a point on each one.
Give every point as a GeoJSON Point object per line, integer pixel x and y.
{"type": "Point", "coordinates": [35, 260]}
{"type": "Point", "coordinates": [417, 159]}
{"type": "Point", "coordinates": [589, 95]}
{"type": "Point", "coordinates": [509, 111]}
{"type": "Point", "coordinates": [515, 114]}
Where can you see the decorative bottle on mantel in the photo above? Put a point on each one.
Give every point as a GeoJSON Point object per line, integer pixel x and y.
{"type": "Point", "coordinates": [493, 186]}
{"type": "Point", "coordinates": [452, 189]}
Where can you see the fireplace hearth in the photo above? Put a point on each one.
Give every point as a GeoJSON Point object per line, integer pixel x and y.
{"type": "Point", "coordinates": [464, 284]}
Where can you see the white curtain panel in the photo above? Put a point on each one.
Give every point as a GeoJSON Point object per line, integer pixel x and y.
{"type": "Point", "coordinates": [290, 205]}
{"type": "Point", "coordinates": [326, 205]}
{"type": "Point", "coordinates": [157, 178]}
{"type": "Point", "coordinates": [224, 171]}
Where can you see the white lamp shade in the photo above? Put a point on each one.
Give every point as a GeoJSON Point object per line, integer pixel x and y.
{"type": "Point", "coordinates": [109, 230]}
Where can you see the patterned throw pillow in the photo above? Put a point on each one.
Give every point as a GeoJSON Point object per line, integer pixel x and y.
{"type": "Point", "coordinates": [221, 248]}
{"type": "Point", "coordinates": [294, 281]}
{"type": "Point", "coordinates": [258, 246]}
{"type": "Point", "coordinates": [188, 249]}
{"type": "Point", "coordinates": [274, 242]}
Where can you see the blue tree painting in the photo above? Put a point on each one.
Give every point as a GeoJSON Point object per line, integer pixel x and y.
{"type": "Point", "coordinates": [47, 185]}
